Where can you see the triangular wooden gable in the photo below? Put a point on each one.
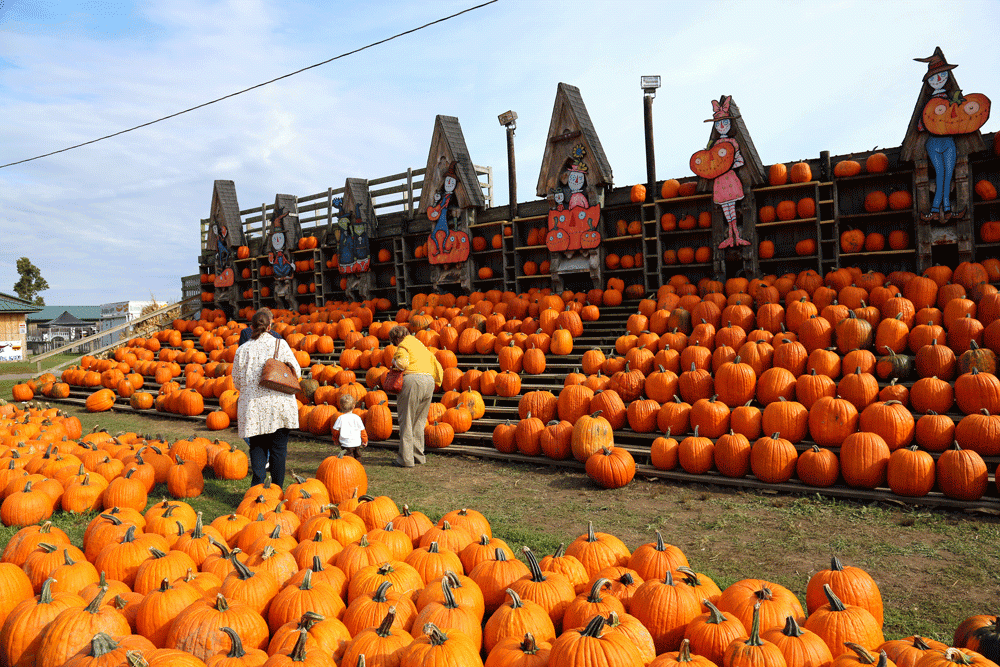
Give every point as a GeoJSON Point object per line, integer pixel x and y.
{"type": "Point", "coordinates": [447, 146]}
{"type": "Point", "coordinates": [752, 172]}
{"type": "Point", "coordinates": [571, 125]}
{"type": "Point", "coordinates": [913, 142]}
{"type": "Point", "coordinates": [225, 211]}
{"type": "Point", "coordinates": [358, 201]}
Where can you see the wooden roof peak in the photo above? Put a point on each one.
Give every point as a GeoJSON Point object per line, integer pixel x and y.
{"type": "Point", "coordinates": [447, 147]}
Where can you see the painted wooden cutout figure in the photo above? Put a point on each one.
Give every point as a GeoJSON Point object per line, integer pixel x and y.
{"type": "Point", "coordinates": [943, 117]}
{"type": "Point", "coordinates": [225, 276]}
{"type": "Point", "coordinates": [279, 257]}
{"type": "Point", "coordinates": [718, 163]}
{"type": "Point", "coordinates": [353, 250]}
{"type": "Point", "coordinates": [573, 226]}
{"type": "Point", "coordinates": [444, 245]}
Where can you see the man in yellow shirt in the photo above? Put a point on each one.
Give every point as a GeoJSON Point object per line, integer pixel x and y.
{"type": "Point", "coordinates": [421, 373]}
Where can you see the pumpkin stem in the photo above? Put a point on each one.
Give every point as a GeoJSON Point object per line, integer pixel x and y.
{"type": "Point", "coordinates": [380, 592]}
{"type": "Point", "coordinates": [317, 564]}
{"type": "Point", "coordinates": [754, 638]}
{"type": "Point", "coordinates": [864, 655]}
{"type": "Point", "coordinates": [684, 655]}
{"type": "Point", "coordinates": [385, 628]}
{"type": "Point", "coordinates": [95, 604]}
{"type": "Point", "coordinates": [102, 644]}
{"type": "Point", "coordinates": [515, 599]}
{"type": "Point", "coordinates": [298, 653]}
{"type": "Point", "coordinates": [237, 650]}
{"type": "Point", "coordinates": [449, 597]}
{"type": "Point", "coordinates": [715, 616]}
{"type": "Point", "coordinates": [791, 628]}
{"type": "Point", "coordinates": [536, 571]}
{"type": "Point", "coordinates": [560, 551]}
{"type": "Point", "coordinates": [45, 597]}
{"type": "Point", "coordinates": [595, 590]}
{"type": "Point", "coordinates": [528, 645]}
{"type": "Point", "coordinates": [436, 636]}
{"type": "Point", "coordinates": [594, 627]}
{"type": "Point", "coordinates": [242, 571]}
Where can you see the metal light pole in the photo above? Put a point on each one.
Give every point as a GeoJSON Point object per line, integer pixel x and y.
{"type": "Point", "coordinates": [649, 86]}
{"type": "Point", "coordinates": [509, 120]}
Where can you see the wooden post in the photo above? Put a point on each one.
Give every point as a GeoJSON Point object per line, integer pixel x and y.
{"type": "Point", "coordinates": [511, 173]}
{"type": "Point", "coordinates": [329, 207]}
{"type": "Point", "coordinates": [409, 190]}
{"type": "Point", "coordinates": [647, 105]}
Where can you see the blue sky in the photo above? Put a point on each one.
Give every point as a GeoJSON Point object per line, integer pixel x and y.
{"type": "Point", "coordinates": [118, 220]}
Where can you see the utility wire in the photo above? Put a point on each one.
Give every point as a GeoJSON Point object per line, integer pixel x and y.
{"type": "Point", "coordinates": [259, 85]}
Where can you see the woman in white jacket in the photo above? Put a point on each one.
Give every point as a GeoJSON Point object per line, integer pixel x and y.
{"type": "Point", "coordinates": [265, 416]}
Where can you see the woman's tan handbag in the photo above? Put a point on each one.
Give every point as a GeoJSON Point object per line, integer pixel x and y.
{"type": "Point", "coordinates": [277, 375]}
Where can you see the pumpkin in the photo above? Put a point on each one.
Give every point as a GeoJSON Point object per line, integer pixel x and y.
{"type": "Point", "coordinates": [638, 193]}
{"type": "Point", "coordinates": [852, 240]}
{"type": "Point", "coordinates": [944, 118]}
{"type": "Point", "coordinates": [611, 468]}
{"type": "Point", "coordinates": [846, 168]}
{"type": "Point", "coordinates": [838, 623]}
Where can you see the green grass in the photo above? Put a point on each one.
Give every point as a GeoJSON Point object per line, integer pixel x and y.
{"type": "Point", "coordinates": [29, 366]}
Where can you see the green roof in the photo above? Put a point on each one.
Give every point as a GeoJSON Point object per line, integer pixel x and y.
{"type": "Point", "coordinates": [47, 313]}
{"type": "Point", "coordinates": [13, 304]}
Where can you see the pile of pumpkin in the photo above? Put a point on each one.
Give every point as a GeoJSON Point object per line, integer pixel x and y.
{"type": "Point", "coordinates": [48, 464]}
{"type": "Point", "coordinates": [746, 379]}
{"type": "Point", "coordinates": [291, 579]}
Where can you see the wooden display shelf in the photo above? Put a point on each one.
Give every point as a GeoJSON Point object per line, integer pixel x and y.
{"type": "Point", "coordinates": [790, 258]}
{"type": "Point", "coordinates": [531, 247]}
{"type": "Point", "coordinates": [827, 222]}
{"type": "Point", "coordinates": [690, 266]}
{"type": "Point", "coordinates": [623, 238]}
{"type": "Point", "coordinates": [533, 276]}
{"type": "Point", "coordinates": [986, 202]}
{"type": "Point", "coordinates": [876, 214]}
{"type": "Point", "coordinates": [695, 230]}
{"type": "Point", "coordinates": [488, 224]}
{"type": "Point", "coordinates": [531, 217]}
{"type": "Point", "coordinates": [788, 186]}
{"type": "Point", "coordinates": [486, 251]}
{"type": "Point", "coordinates": [689, 198]}
{"type": "Point", "coordinates": [634, 269]}
{"type": "Point", "coordinates": [793, 221]}
{"type": "Point", "coordinates": [877, 252]}
{"type": "Point", "coordinates": [866, 175]}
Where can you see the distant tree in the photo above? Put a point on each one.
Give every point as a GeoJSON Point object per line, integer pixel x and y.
{"type": "Point", "coordinates": [31, 282]}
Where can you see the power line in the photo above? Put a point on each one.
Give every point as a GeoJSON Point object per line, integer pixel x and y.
{"type": "Point", "coordinates": [259, 85]}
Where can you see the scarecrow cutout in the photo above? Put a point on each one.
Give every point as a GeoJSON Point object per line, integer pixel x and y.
{"type": "Point", "coordinates": [450, 197]}
{"type": "Point", "coordinates": [573, 221]}
{"type": "Point", "coordinates": [282, 236]}
{"type": "Point", "coordinates": [718, 163]}
{"type": "Point", "coordinates": [574, 177]}
{"type": "Point", "coordinates": [446, 245]}
{"type": "Point", "coordinates": [944, 129]}
{"type": "Point", "coordinates": [225, 234]}
{"type": "Point", "coordinates": [350, 232]}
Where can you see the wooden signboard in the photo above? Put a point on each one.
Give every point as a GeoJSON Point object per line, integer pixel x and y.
{"type": "Point", "coordinates": [574, 176]}
{"type": "Point", "coordinates": [351, 232]}
{"type": "Point", "coordinates": [225, 235]}
{"type": "Point", "coordinates": [729, 167]}
{"type": "Point", "coordinates": [943, 131]}
{"type": "Point", "coordinates": [282, 235]}
{"type": "Point", "coordinates": [450, 197]}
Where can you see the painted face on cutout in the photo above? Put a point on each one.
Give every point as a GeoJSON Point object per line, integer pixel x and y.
{"type": "Point", "coordinates": [450, 183]}
{"type": "Point", "coordinates": [722, 126]}
{"type": "Point", "coordinates": [575, 181]}
{"type": "Point", "coordinates": [938, 80]}
{"type": "Point", "coordinates": [278, 241]}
